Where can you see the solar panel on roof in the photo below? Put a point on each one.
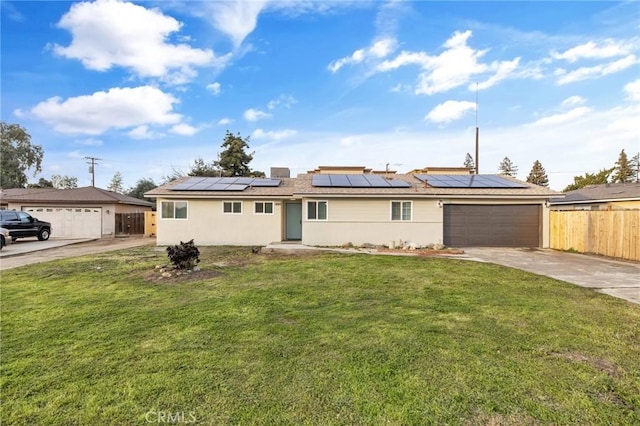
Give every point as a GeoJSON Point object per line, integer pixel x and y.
{"type": "Point", "coordinates": [339, 181]}
{"type": "Point", "coordinates": [321, 180]}
{"type": "Point", "coordinates": [236, 187]}
{"type": "Point", "coordinates": [224, 183]}
{"type": "Point", "coordinates": [217, 187]}
{"type": "Point", "coordinates": [244, 180]}
{"type": "Point", "coordinates": [188, 183]}
{"type": "Point", "coordinates": [200, 186]}
{"type": "Point", "coordinates": [471, 181]}
{"type": "Point", "coordinates": [376, 181]}
{"type": "Point", "coordinates": [357, 181]}
{"type": "Point", "coordinates": [395, 183]}
{"type": "Point", "coordinates": [266, 182]}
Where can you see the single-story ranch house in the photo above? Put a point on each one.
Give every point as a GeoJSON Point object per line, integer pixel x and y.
{"type": "Point", "coordinates": [86, 212]}
{"type": "Point", "coordinates": [331, 206]}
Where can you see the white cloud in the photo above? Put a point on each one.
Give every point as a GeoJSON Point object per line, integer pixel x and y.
{"type": "Point", "coordinates": [285, 101]}
{"type": "Point", "coordinates": [236, 19]}
{"type": "Point", "coordinates": [378, 49]}
{"type": "Point", "coordinates": [562, 118]}
{"type": "Point", "coordinates": [214, 88]}
{"type": "Point", "coordinates": [502, 70]}
{"type": "Point", "coordinates": [255, 115]}
{"type": "Point", "coordinates": [10, 11]}
{"type": "Point", "coordinates": [184, 129]}
{"type": "Point", "coordinates": [450, 111]}
{"type": "Point", "coordinates": [633, 90]}
{"type": "Point", "coordinates": [90, 142]}
{"type": "Point", "coordinates": [273, 135]}
{"type": "Point", "coordinates": [76, 155]}
{"type": "Point", "coordinates": [591, 50]}
{"type": "Point", "coordinates": [101, 111]}
{"type": "Point", "coordinates": [455, 66]}
{"type": "Point", "coordinates": [573, 101]}
{"type": "Point", "coordinates": [108, 33]}
{"type": "Point", "coordinates": [142, 132]}
{"type": "Point", "coordinates": [596, 71]}
{"type": "Point", "coordinates": [224, 121]}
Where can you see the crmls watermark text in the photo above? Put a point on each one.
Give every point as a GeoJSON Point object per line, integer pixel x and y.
{"type": "Point", "coordinates": [159, 416]}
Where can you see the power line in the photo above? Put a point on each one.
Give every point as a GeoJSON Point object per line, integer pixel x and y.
{"type": "Point", "coordinates": [92, 168]}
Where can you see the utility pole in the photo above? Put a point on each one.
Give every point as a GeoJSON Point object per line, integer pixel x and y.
{"type": "Point", "coordinates": [92, 168]}
{"type": "Point", "coordinates": [477, 135]}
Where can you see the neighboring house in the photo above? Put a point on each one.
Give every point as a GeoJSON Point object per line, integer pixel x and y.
{"type": "Point", "coordinates": [323, 208]}
{"type": "Point", "coordinates": [609, 196]}
{"type": "Point", "coordinates": [86, 212]}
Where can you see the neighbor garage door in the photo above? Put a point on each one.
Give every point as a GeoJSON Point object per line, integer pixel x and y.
{"type": "Point", "coordinates": [70, 222]}
{"type": "Point", "coordinates": [467, 225]}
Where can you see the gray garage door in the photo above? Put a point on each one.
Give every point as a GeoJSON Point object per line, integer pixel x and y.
{"type": "Point", "coordinates": [468, 225]}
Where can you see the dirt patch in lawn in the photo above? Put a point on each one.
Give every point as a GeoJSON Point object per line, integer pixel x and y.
{"type": "Point", "coordinates": [599, 364]}
{"type": "Point", "coordinates": [171, 276]}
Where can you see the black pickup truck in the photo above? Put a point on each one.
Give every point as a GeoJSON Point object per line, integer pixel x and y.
{"type": "Point", "coordinates": [21, 224]}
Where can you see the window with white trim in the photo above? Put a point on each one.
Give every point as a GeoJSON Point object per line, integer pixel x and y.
{"type": "Point", "coordinates": [317, 210]}
{"type": "Point", "coordinates": [173, 209]}
{"type": "Point", "coordinates": [263, 207]}
{"type": "Point", "coordinates": [232, 207]}
{"type": "Point", "coordinates": [401, 210]}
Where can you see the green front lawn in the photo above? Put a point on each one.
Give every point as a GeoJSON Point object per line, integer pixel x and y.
{"type": "Point", "coordinates": [326, 339]}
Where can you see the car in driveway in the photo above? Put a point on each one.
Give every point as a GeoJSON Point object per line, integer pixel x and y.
{"type": "Point", "coordinates": [22, 224]}
{"type": "Point", "coordinates": [5, 237]}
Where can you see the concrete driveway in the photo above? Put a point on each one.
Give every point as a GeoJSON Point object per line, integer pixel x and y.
{"type": "Point", "coordinates": [615, 278]}
{"type": "Point", "coordinates": [27, 251]}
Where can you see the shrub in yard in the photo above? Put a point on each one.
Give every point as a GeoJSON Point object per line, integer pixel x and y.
{"type": "Point", "coordinates": [184, 255]}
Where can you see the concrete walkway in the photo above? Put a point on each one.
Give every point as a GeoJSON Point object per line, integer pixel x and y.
{"type": "Point", "coordinates": [615, 278]}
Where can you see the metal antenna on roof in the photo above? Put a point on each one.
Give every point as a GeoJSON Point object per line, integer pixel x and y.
{"type": "Point", "coordinates": [477, 135]}
{"type": "Point", "coordinates": [92, 168]}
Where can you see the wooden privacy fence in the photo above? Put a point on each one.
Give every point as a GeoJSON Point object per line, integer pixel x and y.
{"type": "Point", "coordinates": [149, 224]}
{"type": "Point", "coordinates": [614, 233]}
{"type": "Point", "coordinates": [129, 223]}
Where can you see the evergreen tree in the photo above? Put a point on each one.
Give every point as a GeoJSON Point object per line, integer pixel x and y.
{"type": "Point", "coordinates": [623, 172]}
{"type": "Point", "coordinates": [142, 186]}
{"type": "Point", "coordinates": [116, 183]}
{"type": "Point", "coordinates": [538, 176]}
{"type": "Point", "coordinates": [589, 179]}
{"type": "Point", "coordinates": [508, 168]}
{"type": "Point", "coordinates": [468, 162]}
{"type": "Point", "coordinates": [635, 168]}
{"type": "Point", "coordinates": [234, 160]}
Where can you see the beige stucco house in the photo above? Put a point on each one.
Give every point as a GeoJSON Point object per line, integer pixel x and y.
{"type": "Point", "coordinates": [325, 208]}
{"type": "Point", "coordinates": [86, 212]}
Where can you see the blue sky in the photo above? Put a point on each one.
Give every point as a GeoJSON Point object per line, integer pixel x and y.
{"type": "Point", "coordinates": [151, 86]}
